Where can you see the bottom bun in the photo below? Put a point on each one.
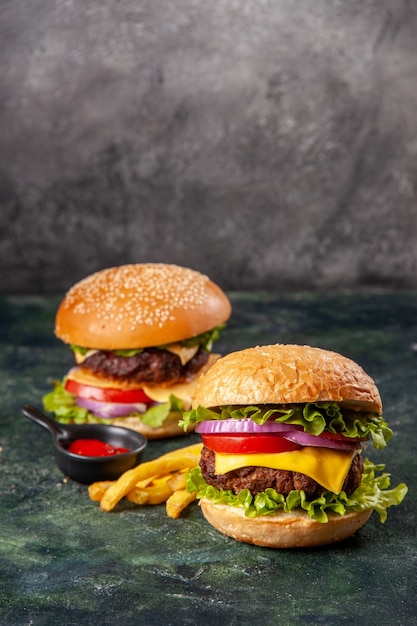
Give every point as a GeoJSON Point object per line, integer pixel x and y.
{"type": "Point", "coordinates": [282, 530]}
{"type": "Point", "coordinates": [169, 428]}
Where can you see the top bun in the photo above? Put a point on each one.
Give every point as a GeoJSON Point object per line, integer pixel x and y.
{"type": "Point", "coordinates": [139, 306]}
{"type": "Point", "coordinates": [283, 374]}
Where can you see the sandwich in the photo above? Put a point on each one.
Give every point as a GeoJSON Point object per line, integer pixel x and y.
{"type": "Point", "coordinates": [141, 335]}
{"type": "Point", "coordinates": [284, 429]}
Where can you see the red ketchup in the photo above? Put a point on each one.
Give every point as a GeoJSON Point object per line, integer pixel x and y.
{"type": "Point", "coordinates": [94, 447]}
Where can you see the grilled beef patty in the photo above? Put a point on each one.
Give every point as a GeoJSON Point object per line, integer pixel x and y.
{"type": "Point", "coordinates": [153, 365]}
{"type": "Point", "coordinates": [257, 479]}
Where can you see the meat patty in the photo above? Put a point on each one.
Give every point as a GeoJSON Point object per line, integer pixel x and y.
{"type": "Point", "coordinates": [152, 365]}
{"type": "Point", "coordinates": [257, 479]}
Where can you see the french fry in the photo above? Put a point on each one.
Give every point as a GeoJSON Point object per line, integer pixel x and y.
{"type": "Point", "coordinates": [97, 490]}
{"type": "Point", "coordinates": [155, 494]}
{"type": "Point", "coordinates": [177, 502]}
{"type": "Point", "coordinates": [138, 495]}
{"type": "Point", "coordinates": [146, 482]}
{"type": "Point", "coordinates": [177, 481]}
{"type": "Point", "coordinates": [183, 458]}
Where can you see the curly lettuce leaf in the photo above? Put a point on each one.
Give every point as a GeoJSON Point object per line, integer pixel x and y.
{"type": "Point", "coordinates": [314, 417]}
{"type": "Point", "coordinates": [62, 403]}
{"type": "Point", "coordinates": [373, 493]}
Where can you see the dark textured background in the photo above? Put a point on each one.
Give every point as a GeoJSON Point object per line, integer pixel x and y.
{"type": "Point", "coordinates": [270, 144]}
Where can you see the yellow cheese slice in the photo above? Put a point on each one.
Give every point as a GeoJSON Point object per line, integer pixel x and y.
{"type": "Point", "coordinates": [79, 358]}
{"type": "Point", "coordinates": [184, 354]}
{"type": "Point", "coordinates": [326, 466]}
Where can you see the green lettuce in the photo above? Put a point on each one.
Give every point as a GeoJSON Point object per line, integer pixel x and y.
{"type": "Point", "coordinates": [62, 403]}
{"type": "Point", "coordinates": [372, 493]}
{"type": "Point", "coordinates": [204, 340]}
{"type": "Point", "coordinates": [314, 417]}
{"type": "Point", "coordinates": [129, 352]}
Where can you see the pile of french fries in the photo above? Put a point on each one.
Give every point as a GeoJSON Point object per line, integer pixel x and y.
{"type": "Point", "coordinates": [152, 482]}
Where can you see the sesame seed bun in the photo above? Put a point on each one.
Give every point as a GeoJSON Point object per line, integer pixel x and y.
{"type": "Point", "coordinates": [139, 306]}
{"type": "Point", "coordinates": [282, 530]}
{"type": "Point", "coordinates": [283, 374]}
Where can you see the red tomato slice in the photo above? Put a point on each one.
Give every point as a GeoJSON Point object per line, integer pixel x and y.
{"type": "Point", "coordinates": [246, 444]}
{"type": "Point", "coordinates": [106, 394]}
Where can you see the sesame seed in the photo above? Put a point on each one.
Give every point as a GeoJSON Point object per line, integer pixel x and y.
{"type": "Point", "coordinates": [140, 293]}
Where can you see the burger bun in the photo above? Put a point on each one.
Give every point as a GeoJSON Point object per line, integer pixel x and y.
{"type": "Point", "coordinates": [138, 306]}
{"type": "Point", "coordinates": [281, 529]}
{"type": "Point", "coordinates": [286, 374]}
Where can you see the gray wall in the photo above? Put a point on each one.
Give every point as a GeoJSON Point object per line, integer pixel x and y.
{"type": "Point", "coordinates": [270, 144]}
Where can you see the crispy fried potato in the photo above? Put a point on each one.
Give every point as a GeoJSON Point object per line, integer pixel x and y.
{"type": "Point", "coordinates": [138, 495]}
{"type": "Point", "coordinates": [177, 502]}
{"type": "Point", "coordinates": [97, 490]}
{"type": "Point", "coordinates": [177, 481]}
{"type": "Point", "coordinates": [155, 494]}
{"type": "Point", "coordinates": [182, 458]}
{"type": "Point", "coordinates": [152, 482]}
{"type": "Point", "coordinates": [146, 481]}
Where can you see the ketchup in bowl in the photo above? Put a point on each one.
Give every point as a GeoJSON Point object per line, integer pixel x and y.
{"type": "Point", "coordinates": [91, 452]}
{"type": "Point", "coordinates": [94, 447]}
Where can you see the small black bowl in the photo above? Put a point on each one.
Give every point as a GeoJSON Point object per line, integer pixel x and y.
{"type": "Point", "coordinates": [89, 469]}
